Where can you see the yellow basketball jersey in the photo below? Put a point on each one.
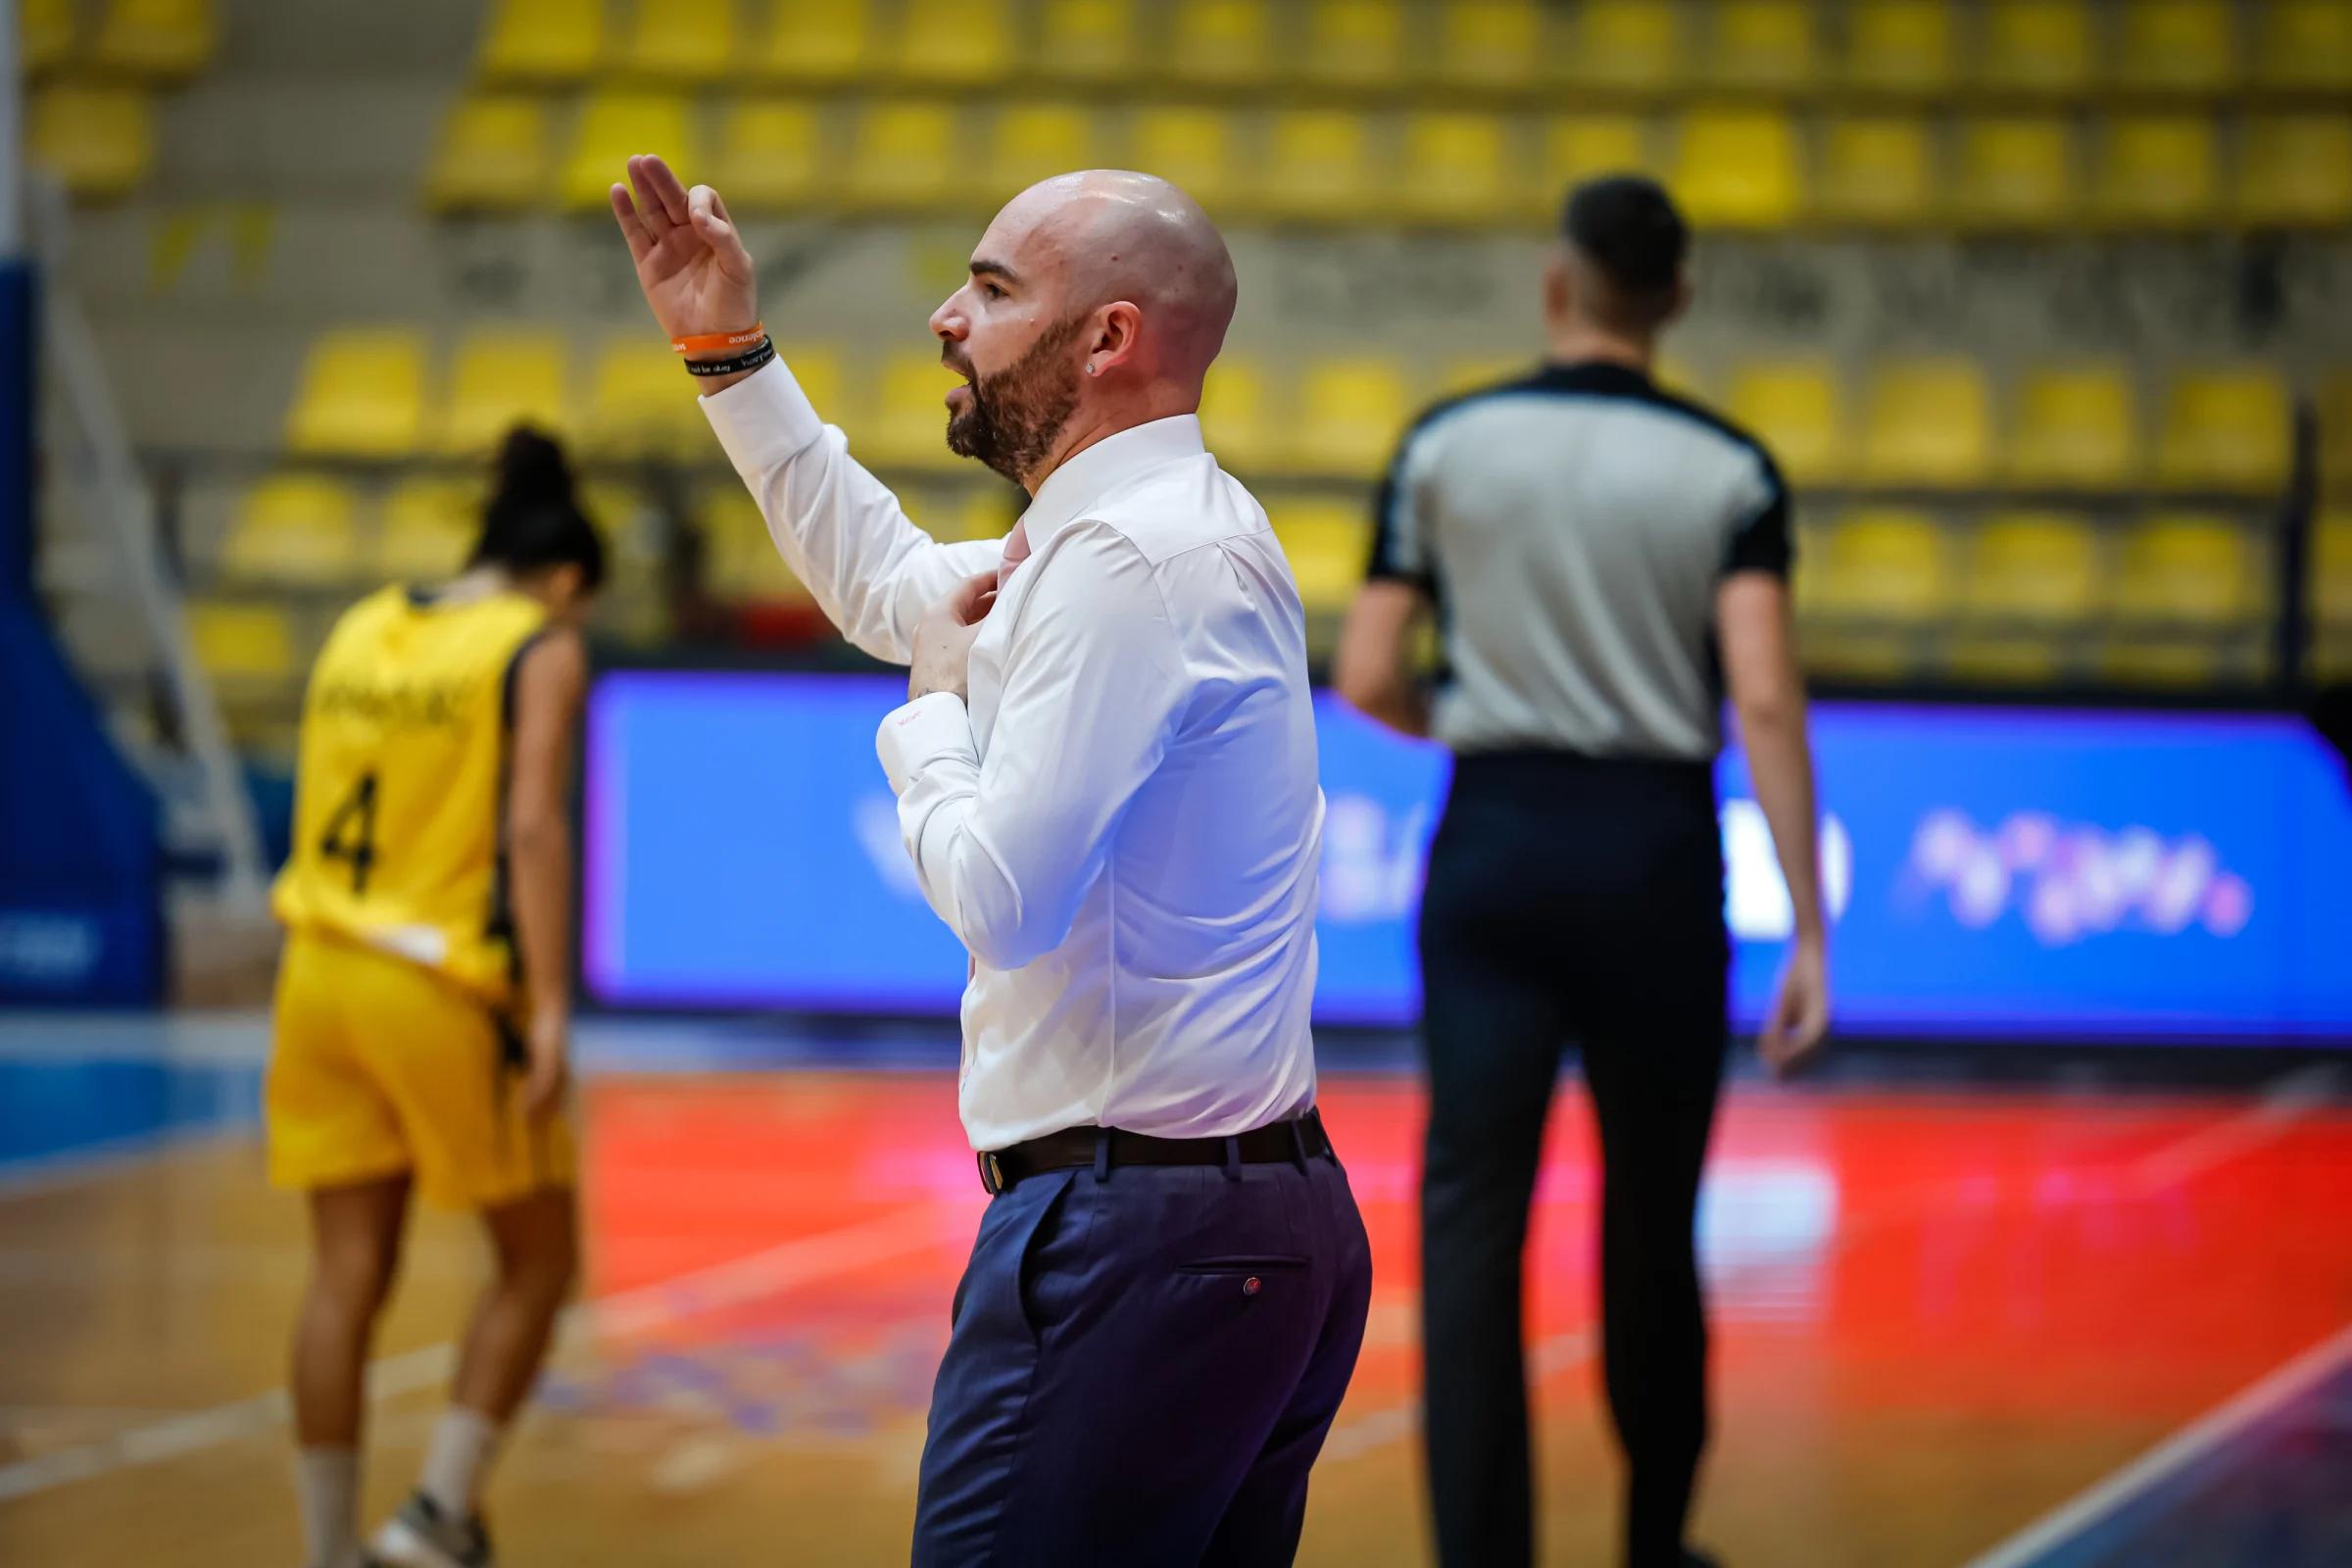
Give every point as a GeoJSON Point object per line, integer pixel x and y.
{"type": "Point", "coordinates": [400, 788]}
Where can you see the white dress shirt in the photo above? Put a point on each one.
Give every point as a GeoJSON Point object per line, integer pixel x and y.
{"type": "Point", "coordinates": [1123, 826]}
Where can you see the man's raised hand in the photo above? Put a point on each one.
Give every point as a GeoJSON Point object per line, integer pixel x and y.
{"type": "Point", "coordinates": [690, 261]}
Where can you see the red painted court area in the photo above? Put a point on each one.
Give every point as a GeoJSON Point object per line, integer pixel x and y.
{"type": "Point", "coordinates": [1940, 1314]}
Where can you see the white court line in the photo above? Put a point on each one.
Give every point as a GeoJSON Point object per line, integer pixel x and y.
{"type": "Point", "coordinates": [2176, 1453]}
{"type": "Point", "coordinates": [2285, 1101]}
{"type": "Point", "coordinates": [635, 1311]}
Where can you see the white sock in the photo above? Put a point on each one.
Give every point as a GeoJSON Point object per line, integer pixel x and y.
{"type": "Point", "coordinates": [327, 1483]}
{"type": "Point", "coordinates": [464, 1444]}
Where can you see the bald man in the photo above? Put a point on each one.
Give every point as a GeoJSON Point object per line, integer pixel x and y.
{"type": "Point", "coordinates": [1106, 772]}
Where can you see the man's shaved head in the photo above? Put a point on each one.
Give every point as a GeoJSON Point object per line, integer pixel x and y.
{"type": "Point", "coordinates": [1096, 301]}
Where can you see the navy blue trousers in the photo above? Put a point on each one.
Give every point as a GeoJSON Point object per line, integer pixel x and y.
{"type": "Point", "coordinates": [1144, 1363]}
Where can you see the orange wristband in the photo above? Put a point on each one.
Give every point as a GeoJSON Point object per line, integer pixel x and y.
{"type": "Point", "coordinates": [716, 342]}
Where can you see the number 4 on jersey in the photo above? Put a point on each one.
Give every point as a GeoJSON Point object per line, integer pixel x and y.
{"type": "Point", "coordinates": [351, 833]}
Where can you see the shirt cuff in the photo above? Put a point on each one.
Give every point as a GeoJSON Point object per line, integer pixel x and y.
{"type": "Point", "coordinates": [922, 732]}
{"type": "Point", "coordinates": [764, 420]}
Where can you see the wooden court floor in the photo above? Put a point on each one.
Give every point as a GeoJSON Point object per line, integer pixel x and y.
{"type": "Point", "coordinates": [1940, 1316]}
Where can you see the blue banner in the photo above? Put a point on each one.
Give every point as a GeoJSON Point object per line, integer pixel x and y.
{"type": "Point", "coordinates": [1991, 871]}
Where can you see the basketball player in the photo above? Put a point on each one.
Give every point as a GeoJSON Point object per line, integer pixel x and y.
{"type": "Point", "coordinates": [422, 1001]}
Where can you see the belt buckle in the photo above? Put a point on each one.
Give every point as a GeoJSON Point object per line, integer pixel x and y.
{"type": "Point", "coordinates": [991, 1173]}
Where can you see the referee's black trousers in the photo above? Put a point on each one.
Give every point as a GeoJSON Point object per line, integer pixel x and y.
{"type": "Point", "coordinates": [1568, 898]}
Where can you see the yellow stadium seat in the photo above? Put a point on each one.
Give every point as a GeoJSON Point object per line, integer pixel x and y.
{"type": "Point", "coordinates": [2038, 46]}
{"type": "Point", "coordinates": [429, 528]}
{"type": "Point", "coordinates": [2330, 575]}
{"type": "Point", "coordinates": [1037, 141]}
{"type": "Point", "coordinates": [2035, 566]}
{"type": "Point", "coordinates": [612, 127]}
{"type": "Point", "coordinates": [1761, 43]}
{"type": "Point", "coordinates": [959, 43]}
{"type": "Point", "coordinates": [1355, 43]}
{"type": "Point", "coordinates": [743, 563]}
{"type": "Point", "coordinates": [2072, 426]}
{"type": "Point", "coordinates": [1882, 564]}
{"type": "Point", "coordinates": [2331, 598]}
{"type": "Point", "coordinates": [155, 41]}
{"type": "Point", "coordinates": [2158, 170]}
{"type": "Point", "coordinates": [294, 530]}
{"type": "Point", "coordinates": [814, 41]}
{"type": "Point", "coordinates": [771, 156]}
{"type": "Point", "coordinates": [1877, 169]}
{"type": "Point", "coordinates": [969, 511]}
{"type": "Point", "coordinates": [1086, 40]}
{"type": "Point", "coordinates": [903, 157]}
{"type": "Point", "coordinates": [1739, 168]}
{"type": "Point", "coordinates": [1792, 407]}
{"type": "Point", "coordinates": [1472, 373]}
{"type": "Point", "coordinates": [1221, 44]}
{"type": "Point", "coordinates": [2188, 571]}
{"type": "Point", "coordinates": [1351, 414]}
{"type": "Point", "coordinates": [2335, 433]}
{"type": "Point", "coordinates": [543, 42]}
{"type": "Point", "coordinates": [2306, 44]}
{"type": "Point", "coordinates": [243, 645]}
{"type": "Point", "coordinates": [1189, 148]}
{"type": "Point", "coordinates": [2225, 429]}
{"type": "Point", "coordinates": [910, 428]}
{"type": "Point", "coordinates": [1489, 44]}
{"type": "Point", "coordinates": [1581, 147]}
{"type": "Point", "coordinates": [2017, 172]}
{"type": "Point", "coordinates": [100, 141]}
{"type": "Point", "coordinates": [44, 34]}
{"type": "Point", "coordinates": [1901, 46]}
{"type": "Point", "coordinates": [2175, 45]}
{"type": "Point", "coordinates": [639, 404]}
{"type": "Point", "coordinates": [1318, 165]}
{"type": "Point", "coordinates": [2187, 591]}
{"type": "Point", "coordinates": [362, 395]}
{"type": "Point", "coordinates": [1243, 421]}
{"type": "Point", "coordinates": [499, 379]}
{"type": "Point", "coordinates": [1629, 44]}
{"type": "Point", "coordinates": [492, 156]}
{"type": "Point", "coordinates": [680, 42]}
{"type": "Point", "coordinates": [1455, 169]}
{"type": "Point", "coordinates": [2295, 170]}
{"type": "Point", "coordinates": [1870, 591]}
{"type": "Point", "coordinates": [1329, 543]}
{"type": "Point", "coordinates": [1928, 421]}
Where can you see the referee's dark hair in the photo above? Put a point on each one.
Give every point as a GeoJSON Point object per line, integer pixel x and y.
{"type": "Point", "coordinates": [1633, 243]}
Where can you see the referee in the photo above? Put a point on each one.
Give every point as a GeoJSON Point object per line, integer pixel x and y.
{"type": "Point", "coordinates": [1605, 560]}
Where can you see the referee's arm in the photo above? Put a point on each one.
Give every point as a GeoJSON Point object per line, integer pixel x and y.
{"type": "Point", "coordinates": [1373, 667]}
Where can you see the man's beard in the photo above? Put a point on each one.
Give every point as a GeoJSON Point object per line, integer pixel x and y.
{"type": "Point", "coordinates": [1012, 419]}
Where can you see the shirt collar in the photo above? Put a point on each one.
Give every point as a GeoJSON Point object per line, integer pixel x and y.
{"type": "Point", "coordinates": [1592, 375]}
{"type": "Point", "coordinates": [1115, 459]}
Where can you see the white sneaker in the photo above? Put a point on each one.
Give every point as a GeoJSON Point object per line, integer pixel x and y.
{"type": "Point", "coordinates": [422, 1536]}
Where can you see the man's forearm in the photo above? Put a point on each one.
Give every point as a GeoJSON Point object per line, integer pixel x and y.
{"type": "Point", "coordinates": [1780, 761]}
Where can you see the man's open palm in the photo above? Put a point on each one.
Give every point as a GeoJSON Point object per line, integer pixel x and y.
{"type": "Point", "coordinates": [690, 261]}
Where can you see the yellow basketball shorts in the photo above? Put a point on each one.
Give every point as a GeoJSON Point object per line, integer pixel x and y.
{"type": "Point", "coordinates": [382, 1068]}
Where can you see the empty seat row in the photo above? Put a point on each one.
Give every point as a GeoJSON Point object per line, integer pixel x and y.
{"type": "Point", "coordinates": [1934, 420]}
{"type": "Point", "coordinates": [1910, 420]}
{"type": "Point", "coordinates": [2177, 598]}
{"type": "Point", "coordinates": [1732, 167]}
{"type": "Point", "coordinates": [1501, 46]}
{"type": "Point", "coordinates": [148, 40]}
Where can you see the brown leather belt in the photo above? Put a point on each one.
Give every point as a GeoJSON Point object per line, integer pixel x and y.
{"type": "Point", "coordinates": [1299, 1140]}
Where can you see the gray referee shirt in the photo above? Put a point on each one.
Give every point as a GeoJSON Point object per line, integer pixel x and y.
{"type": "Point", "coordinates": [1572, 528]}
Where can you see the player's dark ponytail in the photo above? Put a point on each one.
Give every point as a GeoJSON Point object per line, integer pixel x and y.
{"type": "Point", "coordinates": [534, 520]}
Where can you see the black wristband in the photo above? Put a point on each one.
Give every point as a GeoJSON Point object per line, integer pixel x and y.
{"type": "Point", "coordinates": [750, 359]}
